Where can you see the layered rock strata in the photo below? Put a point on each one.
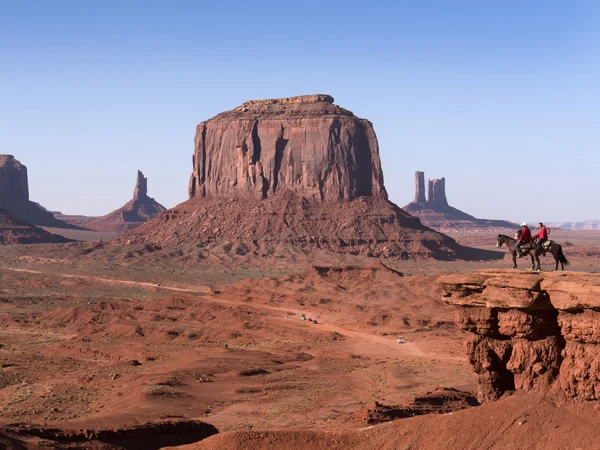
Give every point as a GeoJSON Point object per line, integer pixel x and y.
{"type": "Point", "coordinates": [530, 331]}
{"type": "Point", "coordinates": [303, 144]}
{"type": "Point", "coordinates": [435, 211]}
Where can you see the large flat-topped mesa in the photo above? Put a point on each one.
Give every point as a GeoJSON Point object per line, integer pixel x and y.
{"type": "Point", "coordinates": [305, 144]}
{"type": "Point", "coordinates": [275, 177]}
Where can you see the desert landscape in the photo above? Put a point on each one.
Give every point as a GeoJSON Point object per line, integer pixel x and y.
{"type": "Point", "coordinates": [299, 225]}
{"type": "Point", "coordinates": [294, 308]}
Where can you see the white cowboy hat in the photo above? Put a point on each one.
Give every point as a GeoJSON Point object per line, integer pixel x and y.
{"type": "Point", "coordinates": [524, 224]}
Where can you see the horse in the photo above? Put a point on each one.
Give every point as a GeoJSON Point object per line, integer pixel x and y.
{"type": "Point", "coordinates": [535, 251]}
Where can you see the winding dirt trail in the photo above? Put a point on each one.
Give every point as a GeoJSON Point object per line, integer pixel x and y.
{"type": "Point", "coordinates": [377, 345]}
{"type": "Point", "coordinates": [205, 290]}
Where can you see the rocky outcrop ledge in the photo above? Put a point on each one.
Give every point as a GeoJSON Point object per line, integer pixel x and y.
{"type": "Point", "coordinates": [530, 331]}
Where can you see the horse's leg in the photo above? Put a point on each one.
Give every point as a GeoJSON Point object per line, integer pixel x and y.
{"type": "Point", "coordinates": [532, 259]}
{"type": "Point", "coordinates": [537, 259]}
{"type": "Point", "coordinates": [514, 258]}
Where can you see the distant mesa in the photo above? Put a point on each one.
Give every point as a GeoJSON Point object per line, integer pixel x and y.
{"type": "Point", "coordinates": [592, 225]}
{"type": "Point", "coordinates": [14, 196]}
{"type": "Point", "coordinates": [297, 172]}
{"type": "Point", "coordinates": [135, 212]}
{"type": "Point", "coordinates": [17, 231]}
{"type": "Point", "coordinates": [435, 212]}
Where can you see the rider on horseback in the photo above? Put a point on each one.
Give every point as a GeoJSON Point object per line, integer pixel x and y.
{"type": "Point", "coordinates": [524, 238]}
{"type": "Point", "coordinates": [542, 236]}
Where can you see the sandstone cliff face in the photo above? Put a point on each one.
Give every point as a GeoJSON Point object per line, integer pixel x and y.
{"type": "Point", "coordinates": [14, 195]}
{"type": "Point", "coordinates": [435, 212]}
{"type": "Point", "coordinates": [530, 331]}
{"type": "Point", "coordinates": [304, 144]}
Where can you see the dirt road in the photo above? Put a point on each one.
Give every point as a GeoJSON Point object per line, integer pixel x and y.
{"type": "Point", "coordinates": [200, 290]}
{"type": "Point", "coordinates": [378, 345]}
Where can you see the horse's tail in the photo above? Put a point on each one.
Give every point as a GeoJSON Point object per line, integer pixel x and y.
{"type": "Point", "coordinates": [561, 256]}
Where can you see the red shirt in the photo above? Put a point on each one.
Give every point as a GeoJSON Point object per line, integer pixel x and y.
{"type": "Point", "coordinates": [542, 234]}
{"type": "Point", "coordinates": [525, 235]}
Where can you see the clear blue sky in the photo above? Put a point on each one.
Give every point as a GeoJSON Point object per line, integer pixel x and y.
{"type": "Point", "coordinates": [92, 91]}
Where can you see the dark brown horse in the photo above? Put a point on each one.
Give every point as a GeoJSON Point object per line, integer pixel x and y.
{"type": "Point", "coordinates": [535, 251]}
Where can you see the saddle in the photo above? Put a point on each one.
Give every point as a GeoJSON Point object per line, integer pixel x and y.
{"type": "Point", "coordinates": [547, 245]}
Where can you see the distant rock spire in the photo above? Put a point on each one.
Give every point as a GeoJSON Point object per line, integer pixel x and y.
{"type": "Point", "coordinates": [437, 194]}
{"type": "Point", "coordinates": [141, 187]}
{"type": "Point", "coordinates": [420, 187]}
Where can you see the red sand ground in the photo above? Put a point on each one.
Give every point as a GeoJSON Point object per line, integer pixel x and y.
{"type": "Point", "coordinates": [238, 359]}
{"type": "Point", "coordinates": [522, 421]}
{"type": "Point", "coordinates": [87, 345]}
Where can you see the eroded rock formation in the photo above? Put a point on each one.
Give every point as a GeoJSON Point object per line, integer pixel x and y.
{"type": "Point", "coordinates": [439, 401]}
{"type": "Point", "coordinates": [306, 145]}
{"type": "Point", "coordinates": [530, 331]}
{"type": "Point", "coordinates": [14, 195]}
{"type": "Point", "coordinates": [141, 187]}
{"type": "Point", "coordinates": [435, 211]}
{"type": "Point", "coordinates": [135, 212]}
{"type": "Point", "coordinates": [420, 188]}
{"type": "Point", "coordinates": [291, 173]}
{"type": "Point", "coordinates": [13, 179]}
{"type": "Point", "coordinates": [437, 194]}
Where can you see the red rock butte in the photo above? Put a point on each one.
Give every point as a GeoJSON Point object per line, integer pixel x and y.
{"type": "Point", "coordinates": [303, 144]}
{"type": "Point", "coordinates": [14, 195]}
{"type": "Point", "coordinates": [297, 172]}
